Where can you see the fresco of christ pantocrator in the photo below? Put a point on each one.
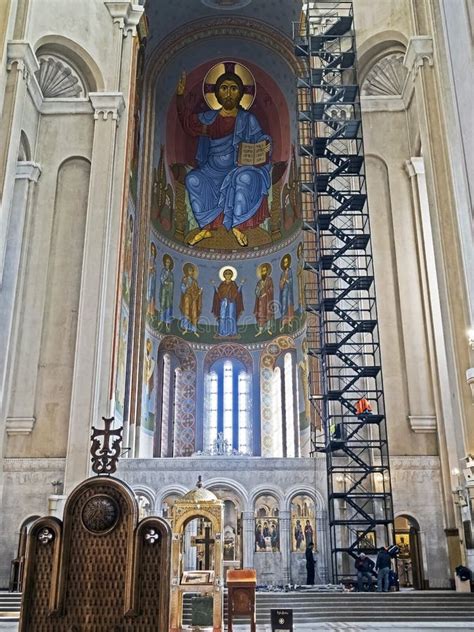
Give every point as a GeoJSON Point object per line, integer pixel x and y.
{"type": "Point", "coordinates": [230, 185]}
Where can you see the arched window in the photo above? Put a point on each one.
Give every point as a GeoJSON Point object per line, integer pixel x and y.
{"type": "Point", "coordinates": [211, 404]}
{"type": "Point", "coordinates": [165, 404]}
{"type": "Point", "coordinates": [285, 434]}
{"type": "Point", "coordinates": [277, 413]}
{"type": "Point", "coordinates": [174, 400]}
{"type": "Point", "coordinates": [289, 398]}
{"type": "Point", "coordinates": [227, 408]}
{"type": "Point", "coordinates": [165, 437]}
{"type": "Point", "coordinates": [177, 396]}
{"type": "Point", "coordinates": [245, 419]}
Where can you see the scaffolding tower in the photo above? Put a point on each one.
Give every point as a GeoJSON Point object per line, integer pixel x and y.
{"type": "Point", "coordinates": [343, 343]}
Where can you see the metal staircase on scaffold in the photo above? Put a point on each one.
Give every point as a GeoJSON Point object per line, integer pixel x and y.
{"type": "Point", "coordinates": [343, 344]}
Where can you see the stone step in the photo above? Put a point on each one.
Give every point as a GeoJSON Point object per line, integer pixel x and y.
{"type": "Point", "coordinates": [311, 607]}
{"type": "Point", "coordinates": [9, 603]}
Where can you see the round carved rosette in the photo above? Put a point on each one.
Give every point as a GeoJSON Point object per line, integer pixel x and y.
{"type": "Point", "coordinates": [100, 514]}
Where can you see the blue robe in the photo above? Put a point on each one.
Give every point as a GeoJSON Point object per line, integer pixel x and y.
{"type": "Point", "coordinates": [219, 185]}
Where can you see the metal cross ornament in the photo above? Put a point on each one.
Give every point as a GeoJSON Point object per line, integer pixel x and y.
{"type": "Point", "coordinates": [105, 457]}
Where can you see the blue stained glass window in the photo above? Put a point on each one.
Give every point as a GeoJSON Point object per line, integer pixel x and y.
{"type": "Point", "coordinates": [227, 407]}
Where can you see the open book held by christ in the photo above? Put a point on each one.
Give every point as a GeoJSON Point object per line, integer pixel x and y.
{"type": "Point", "coordinates": [253, 153]}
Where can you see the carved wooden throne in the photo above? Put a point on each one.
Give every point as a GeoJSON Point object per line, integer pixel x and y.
{"type": "Point", "coordinates": [100, 570]}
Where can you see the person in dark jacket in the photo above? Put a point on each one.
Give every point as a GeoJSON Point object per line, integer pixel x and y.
{"type": "Point", "coordinates": [383, 566]}
{"type": "Point", "coordinates": [309, 564]}
{"type": "Point", "coordinates": [364, 567]}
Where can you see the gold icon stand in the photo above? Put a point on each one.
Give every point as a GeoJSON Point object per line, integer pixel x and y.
{"type": "Point", "coordinates": [198, 503]}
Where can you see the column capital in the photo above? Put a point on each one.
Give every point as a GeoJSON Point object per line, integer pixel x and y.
{"type": "Point", "coordinates": [415, 166]}
{"type": "Point", "coordinates": [21, 54]}
{"type": "Point", "coordinates": [419, 50]}
{"type": "Point", "coordinates": [20, 425]}
{"type": "Point", "coordinates": [27, 170]}
{"type": "Point", "coordinates": [126, 14]}
{"type": "Point", "coordinates": [423, 423]}
{"type": "Point", "coordinates": [106, 103]}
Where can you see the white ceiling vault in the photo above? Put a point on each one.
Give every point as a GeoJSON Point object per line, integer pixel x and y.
{"type": "Point", "coordinates": [166, 16]}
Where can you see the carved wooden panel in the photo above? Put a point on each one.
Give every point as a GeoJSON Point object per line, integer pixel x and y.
{"type": "Point", "coordinates": [98, 571]}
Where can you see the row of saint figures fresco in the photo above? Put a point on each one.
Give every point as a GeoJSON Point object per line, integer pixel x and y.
{"type": "Point", "coordinates": [267, 532]}
{"type": "Point", "coordinates": [267, 524]}
{"type": "Point", "coordinates": [267, 535]}
{"type": "Point", "coordinates": [275, 309]}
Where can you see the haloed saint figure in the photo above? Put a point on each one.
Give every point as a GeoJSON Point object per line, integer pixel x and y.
{"type": "Point", "coordinates": [229, 186]}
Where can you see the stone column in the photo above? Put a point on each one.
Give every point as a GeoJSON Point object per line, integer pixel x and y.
{"type": "Point", "coordinates": [439, 361]}
{"type": "Point", "coordinates": [469, 509]}
{"type": "Point", "coordinates": [322, 546]}
{"type": "Point", "coordinates": [56, 504]}
{"type": "Point", "coordinates": [92, 395]}
{"type": "Point", "coordinates": [285, 546]}
{"type": "Point", "coordinates": [21, 64]}
{"type": "Point", "coordinates": [27, 174]}
{"type": "Point", "coordinates": [90, 398]}
{"type": "Point", "coordinates": [248, 538]}
{"type": "Point", "coordinates": [418, 346]}
{"type": "Point", "coordinates": [125, 17]}
{"type": "Point", "coordinates": [447, 289]}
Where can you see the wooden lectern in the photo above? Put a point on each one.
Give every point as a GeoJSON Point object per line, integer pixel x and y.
{"type": "Point", "coordinates": [241, 585]}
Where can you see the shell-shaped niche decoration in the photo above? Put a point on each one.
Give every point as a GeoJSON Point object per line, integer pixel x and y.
{"type": "Point", "coordinates": [386, 78]}
{"type": "Point", "coordinates": [59, 80]}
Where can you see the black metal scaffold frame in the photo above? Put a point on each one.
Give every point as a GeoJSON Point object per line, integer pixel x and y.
{"type": "Point", "coordinates": [343, 342]}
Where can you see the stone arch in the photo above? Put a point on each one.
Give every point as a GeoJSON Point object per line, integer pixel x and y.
{"type": "Point", "coordinates": [272, 351]}
{"type": "Point", "coordinates": [265, 490]}
{"type": "Point", "coordinates": [228, 350]}
{"type": "Point", "coordinates": [72, 56]}
{"type": "Point", "coordinates": [28, 522]}
{"type": "Point", "coordinates": [181, 349]}
{"type": "Point", "coordinates": [305, 490]}
{"type": "Point", "coordinates": [206, 28]}
{"type": "Point", "coordinates": [410, 516]}
{"type": "Point", "coordinates": [234, 486]}
{"type": "Point", "coordinates": [378, 46]}
{"type": "Point", "coordinates": [69, 159]}
{"type": "Point", "coordinates": [147, 493]}
{"type": "Point", "coordinates": [179, 490]}
{"type": "Point", "coordinates": [418, 554]}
